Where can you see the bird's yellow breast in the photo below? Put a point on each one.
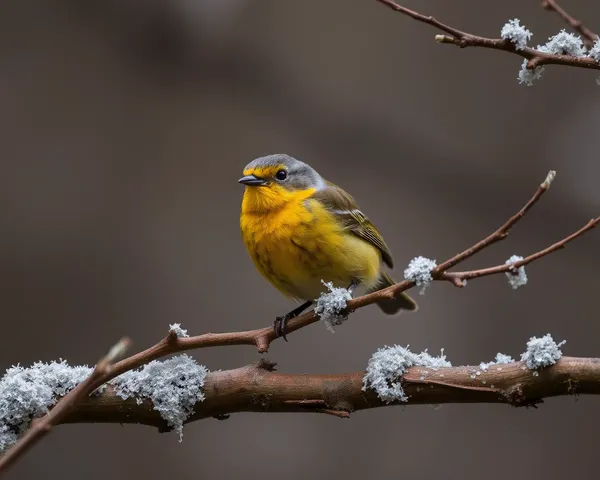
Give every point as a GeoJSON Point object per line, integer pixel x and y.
{"type": "Point", "coordinates": [295, 242]}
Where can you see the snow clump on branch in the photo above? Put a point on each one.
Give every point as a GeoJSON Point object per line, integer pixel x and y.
{"type": "Point", "coordinates": [388, 364]}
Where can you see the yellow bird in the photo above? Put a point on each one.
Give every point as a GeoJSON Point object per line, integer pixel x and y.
{"type": "Point", "coordinates": [301, 230]}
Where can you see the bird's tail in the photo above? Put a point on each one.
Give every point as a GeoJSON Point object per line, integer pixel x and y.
{"type": "Point", "coordinates": [394, 305]}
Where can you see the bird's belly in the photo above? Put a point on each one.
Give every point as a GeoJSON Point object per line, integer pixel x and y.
{"type": "Point", "coordinates": [301, 252]}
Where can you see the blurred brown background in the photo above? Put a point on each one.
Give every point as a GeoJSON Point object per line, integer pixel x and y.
{"type": "Point", "coordinates": [124, 128]}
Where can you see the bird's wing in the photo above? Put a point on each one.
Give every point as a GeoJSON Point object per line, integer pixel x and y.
{"type": "Point", "coordinates": [341, 204]}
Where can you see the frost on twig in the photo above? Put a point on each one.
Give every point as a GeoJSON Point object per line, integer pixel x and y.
{"type": "Point", "coordinates": [331, 306]}
{"type": "Point", "coordinates": [177, 330]}
{"type": "Point", "coordinates": [517, 277]}
{"type": "Point", "coordinates": [516, 33]}
{"type": "Point", "coordinates": [549, 179]}
{"type": "Point", "coordinates": [388, 364]}
{"type": "Point", "coordinates": [542, 352]}
{"type": "Point", "coordinates": [501, 359]}
{"type": "Point", "coordinates": [595, 54]}
{"type": "Point", "coordinates": [173, 386]}
{"type": "Point", "coordinates": [419, 270]}
{"type": "Point", "coordinates": [26, 393]}
{"type": "Point", "coordinates": [563, 43]}
{"type": "Point", "coordinates": [528, 76]}
{"type": "Point", "coordinates": [595, 51]}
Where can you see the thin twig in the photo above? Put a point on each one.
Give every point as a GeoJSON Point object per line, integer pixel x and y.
{"type": "Point", "coordinates": [462, 39]}
{"type": "Point", "coordinates": [255, 389]}
{"type": "Point", "coordinates": [503, 231]}
{"type": "Point", "coordinates": [513, 266]}
{"type": "Point", "coordinates": [589, 37]}
{"type": "Point", "coordinates": [41, 426]}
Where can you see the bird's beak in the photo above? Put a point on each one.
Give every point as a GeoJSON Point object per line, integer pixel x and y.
{"type": "Point", "coordinates": [252, 181]}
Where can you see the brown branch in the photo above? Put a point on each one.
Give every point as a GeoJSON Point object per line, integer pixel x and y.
{"type": "Point", "coordinates": [589, 37]}
{"type": "Point", "coordinates": [503, 231]}
{"type": "Point", "coordinates": [257, 389]}
{"type": "Point", "coordinates": [462, 39]}
{"type": "Point", "coordinates": [513, 266]}
{"type": "Point", "coordinates": [41, 426]}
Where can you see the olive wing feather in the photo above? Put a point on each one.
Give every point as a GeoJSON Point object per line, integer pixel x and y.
{"type": "Point", "coordinates": [341, 203]}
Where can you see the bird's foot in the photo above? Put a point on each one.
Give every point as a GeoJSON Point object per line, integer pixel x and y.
{"type": "Point", "coordinates": [280, 324]}
{"type": "Point", "coordinates": [352, 286]}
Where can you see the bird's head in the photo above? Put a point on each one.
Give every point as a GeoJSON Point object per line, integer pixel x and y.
{"type": "Point", "coordinates": [273, 181]}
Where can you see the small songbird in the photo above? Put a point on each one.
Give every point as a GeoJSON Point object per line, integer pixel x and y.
{"type": "Point", "coordinates": [302, 230]}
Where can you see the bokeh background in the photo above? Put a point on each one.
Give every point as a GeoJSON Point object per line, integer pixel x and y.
{"type": "Point", "coordinates": [124, 126]}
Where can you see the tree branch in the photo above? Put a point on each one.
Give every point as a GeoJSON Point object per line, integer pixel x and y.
{"type": "Point", "coordinates": [41, 426]}
{"type": "Point", "coordinates": [589, 37]}
{"type": "Point", "coordinates": [462, 39]}
{"type": "Point", "coordinates": [257, 388]}
{"type": "Point", "coordinates": [453, 276]}
{"type": "Point", "coordinates": [503, 231]}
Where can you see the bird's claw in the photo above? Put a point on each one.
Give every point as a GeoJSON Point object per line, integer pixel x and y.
{"type": "Point", "coordinates": [280, 326]}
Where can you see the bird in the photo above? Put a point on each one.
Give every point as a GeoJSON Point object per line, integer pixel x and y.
{"type": "Point", "coordinates": [302, 231]}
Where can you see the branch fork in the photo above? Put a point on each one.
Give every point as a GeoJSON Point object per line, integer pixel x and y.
{"type": "Point", "coordinates": [534, 58]}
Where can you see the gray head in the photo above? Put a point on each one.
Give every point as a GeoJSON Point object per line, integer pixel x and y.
{"type": "Point", "coordinates": [281, 169]}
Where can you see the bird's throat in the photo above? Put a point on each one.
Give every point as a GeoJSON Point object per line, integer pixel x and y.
{"type": "Point", "coordinates": [271, 198]}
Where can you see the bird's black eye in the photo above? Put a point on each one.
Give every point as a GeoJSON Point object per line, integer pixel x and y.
{"type": "Point", "coordinates": [281, 175]}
